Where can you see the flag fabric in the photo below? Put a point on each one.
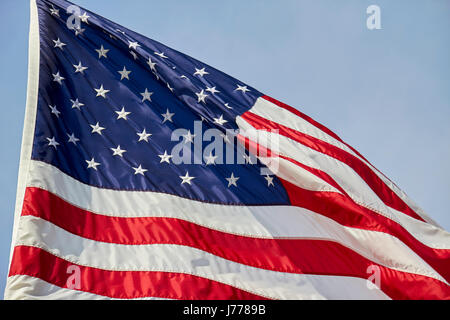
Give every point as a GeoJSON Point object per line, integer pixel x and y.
{"type": "Point", "coordinates": [146, 174]}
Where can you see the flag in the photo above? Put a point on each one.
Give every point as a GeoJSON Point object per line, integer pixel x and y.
{"type": "Point", "coordinates": [147, 174]}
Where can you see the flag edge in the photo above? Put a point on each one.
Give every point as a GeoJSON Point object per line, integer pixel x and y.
{"type": "Point", "coordinates": [29, 119]}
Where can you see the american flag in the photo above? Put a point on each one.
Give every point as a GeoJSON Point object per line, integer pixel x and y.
{"type": "Point", "coordinates": [117, 200]}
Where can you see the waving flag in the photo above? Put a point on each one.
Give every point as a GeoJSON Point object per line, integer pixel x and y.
{"type": "Point", "coordinates": [148, 174]}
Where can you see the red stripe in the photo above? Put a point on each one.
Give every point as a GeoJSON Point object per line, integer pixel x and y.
{"type": "Point", "coordinates": [38, 263]}
{"type": "Point", "coordinates": [317, 256]}
{"type": "Point", "coordinates": [259, 150]}
{"type": "Point", "coordinates": [373, 181]}
{"type": "Point", "coordinates": [319, 126]}
{"type": "Point", "coordinates": [347, 212]}
{"type": "Point", "coordinates": [303, 116]}
{"type": "Point", "coordinates": [313, 122]}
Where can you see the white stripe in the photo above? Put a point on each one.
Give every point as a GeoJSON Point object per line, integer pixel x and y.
{"type": "Point", "coordinates": [274, 113]}
{"type": "Point", "coordinates": [296, 175]}
{"type": "Point", "coordinates": [342, 173]}
{"type": "Point", "coordinates": [23, 287]}
{"type": "Point", "coordinates": [182, 259]}
{"type": "Point", "coordinates": [351, 182]}
{"type": "Point", "coordinates": [402, 195]}
{"type": "Point", "coordinates": [251, 221]}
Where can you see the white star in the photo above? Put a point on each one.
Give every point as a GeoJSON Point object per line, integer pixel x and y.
{"type": "Point", "coordinates": [79, 30]}
{"type": "Point", "coordinates": [227, 106]}
{"type": "Point", "coordinates": [220, 121]}
{"type": "Point", "coordinates": [143, 135]}
{"type": "Point", "coordinates": [117, 151]}
{"type": "Point", "coordinates": [57, 78]}
{"type": "Point", "coordinates": [212, 90]}
{"type": "Point", "coordinates": [101, 92]}
{"type": "Point", "coordinates": [210, 159]}
{"type": "Point", "coordinates": [59, 44]}
{"type": "Point", "coordinates": [92, 164]}
{"type": "Point", "coordinates": [124, 73]}
{"type": "Point", "coordinates": [189, 137]}
{"type": "Point", "coordinates": [269, 180]}
{"type": "Point", "coordinates": [232, 180]}
{"type": "Point", "coordinates": [84, 18]}
{"type": "Point", "coordinates": [54, 12]}
{"type": "Point", "coordinates": [201, 96]}
{"type": "Point", "coordinates": [97, 129]}
{"type": "Point", "coordinates": [200, 72]}
{"type": "Point", "coordinates": [72, 138]}
{"type": "Point", "coordinates": [244, 89]}
{"type": "Point", "coordinates": [151, 64]}
{"type": "Point", "coordinates": [167, 116]}
{"type": "Point", "coordinates": [122, 114]}
{"type": "Point", "coordinates": [165, 157]}
{"type": "Point", "coordinates": [54, 110]}
{"type": "Point", "coordinates": [183, 77]}
{"type": "Point", "coordinates": [161, 55]}
{"type": "Point", "coordinates": [133, 45]}
{"type": "Point", "coordinates": [76, 104]}
{"type": "Point", "coordinates": [146, 95]}
{"type": "Point", "coordinates": [139, 170]}
{"type": "Point", "coordinates": [102, 52]}
{"type": "Point", "coordinates": [79, 68]}
{"type": "Point", "coordinates": [186, 179]}
{"type": "Point", "coordinates": [52, 142]}
{"type": "Point", "coordinates": [170, 88]}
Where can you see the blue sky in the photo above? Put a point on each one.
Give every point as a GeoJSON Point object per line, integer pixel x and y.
{"type": "Point", "coordinates": [386, 92]}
